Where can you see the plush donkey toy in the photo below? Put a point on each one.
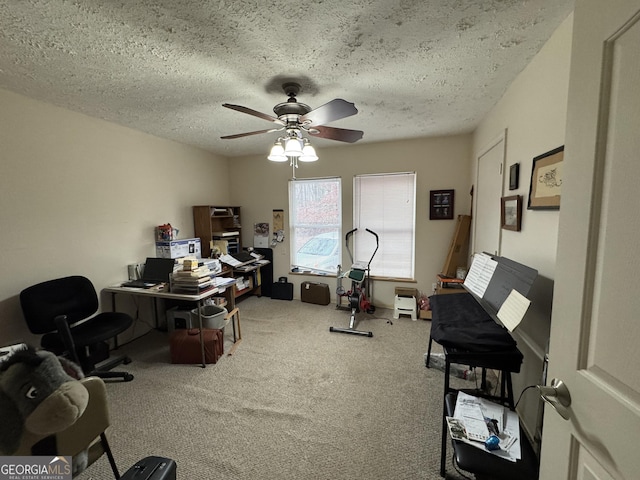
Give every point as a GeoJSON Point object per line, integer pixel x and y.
{"type": "Point", "coordinates": [39, 396]}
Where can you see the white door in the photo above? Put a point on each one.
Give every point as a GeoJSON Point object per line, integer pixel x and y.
{"type": "Point", "coordinates": [487, 193]}
{"type": "Point", "coordinates": [595, 328]}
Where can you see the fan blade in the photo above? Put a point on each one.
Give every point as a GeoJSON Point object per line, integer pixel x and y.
{"type": "Point", "coordinates": [255, 113]}
{"type": "Point", "coordinates": [329, 112]}
{"type": "Point", "coordinates": [257, 132]}
{"type": "Point", "coordinates": [340, 134]}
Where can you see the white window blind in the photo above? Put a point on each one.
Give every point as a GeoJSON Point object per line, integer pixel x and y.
{"type": "Point", "coordinates": [315, 223]}
{"type": "Point", "coordinates": [385, 204]}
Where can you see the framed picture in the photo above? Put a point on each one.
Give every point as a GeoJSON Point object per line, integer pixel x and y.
{"type": "Point", "coordinates": [511, 212]}
{"type": "Point", "coordinates": [441, 204]}
{"type": "Point", "coordinates": [514, 176]}
{"type": "Point", "coordinates": [546, 181]}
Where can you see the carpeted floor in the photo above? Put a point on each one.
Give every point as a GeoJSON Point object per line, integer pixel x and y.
{"type": "Point", "coordinates": [294, 401]}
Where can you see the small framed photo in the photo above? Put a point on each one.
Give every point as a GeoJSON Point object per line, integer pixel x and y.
{"type": "Point", "coordinates": [441, 204]}
{"type": "Point", "coordinates": [546, 181]}
{"type": "Point", "coordinates": [514, 176]}
{"type": "Point", "coordinates": [511, 212]}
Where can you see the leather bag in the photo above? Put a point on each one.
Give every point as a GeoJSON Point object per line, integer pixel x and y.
{"type": "Point", "coordinates": [184, 345]}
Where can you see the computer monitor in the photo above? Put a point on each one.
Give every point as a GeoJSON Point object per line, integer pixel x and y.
{"type": "Point", "coordinates": [157, 269]}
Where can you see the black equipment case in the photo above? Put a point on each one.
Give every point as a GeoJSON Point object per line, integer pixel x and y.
{"type": "Point", "coordinates": [282, 289]}
{"type": "Point", "coordinates": [313, 292]}
{"type": "Point", "coordinates": [152, 468]}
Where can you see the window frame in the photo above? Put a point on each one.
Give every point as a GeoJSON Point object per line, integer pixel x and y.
{"type": "Point", "coordinates": [298, 240]}
{"type": "Point", "coordinates": [385, 208]}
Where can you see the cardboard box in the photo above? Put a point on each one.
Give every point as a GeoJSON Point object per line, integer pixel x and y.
{"type": "Point", "coordinates": [178, 248]}
{"type": "Point", "coordinates": [424, 314]}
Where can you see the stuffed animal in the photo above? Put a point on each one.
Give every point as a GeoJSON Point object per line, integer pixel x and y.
{"type": "Point", "coordinates": [40, 395]}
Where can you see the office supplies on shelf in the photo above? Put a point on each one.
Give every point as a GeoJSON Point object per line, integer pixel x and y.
{"type": "Point", "coordinates": [230, 260]}
{"type": "Point", "coordinates": [244, 257]}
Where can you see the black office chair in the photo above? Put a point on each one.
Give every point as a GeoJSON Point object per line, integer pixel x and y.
{"type": "Point", "coordinates": [63, 311]}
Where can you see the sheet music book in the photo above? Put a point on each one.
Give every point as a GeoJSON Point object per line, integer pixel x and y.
{"type": "Point", "coordinates": [480, 274]}
{"type": "Point", "coordinates": [501, 286]}
{"type": "Point", "coordinates": [513, 309]}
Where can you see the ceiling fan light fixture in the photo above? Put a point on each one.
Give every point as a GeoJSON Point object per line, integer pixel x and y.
{"type": "Point", "coordinates": [293, 147]}
{"type": "Point", "coordinates": [308, 153]}
{"type": "Point", "coordinates": [277, 153]}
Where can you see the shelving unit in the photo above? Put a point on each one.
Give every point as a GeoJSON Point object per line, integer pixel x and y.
{"type": "Point", "coordinates": [252, 278]}
{"type": "Point", "coordinates": [209, 219]}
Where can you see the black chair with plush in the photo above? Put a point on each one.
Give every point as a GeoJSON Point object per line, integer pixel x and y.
{"type": "Point", "coordinates": [64, 312]}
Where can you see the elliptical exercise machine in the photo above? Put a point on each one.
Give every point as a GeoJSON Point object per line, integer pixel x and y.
{"type": "Point", "coordinates": [360, 292]}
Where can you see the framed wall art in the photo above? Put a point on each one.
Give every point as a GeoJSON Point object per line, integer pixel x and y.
{"type": "Point", "coordinates": [546, 181]}
{"type": "Point", "coordinates": [514, 176]}
{"type": "Point", "coordinates": [511, 212]}
{"type": "Point", "coordinates": [441, 204]}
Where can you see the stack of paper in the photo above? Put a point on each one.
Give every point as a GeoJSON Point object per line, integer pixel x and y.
{"type": "Point", "coordinates": [469, 425]}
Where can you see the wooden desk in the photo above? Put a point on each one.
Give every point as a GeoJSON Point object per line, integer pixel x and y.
{"type": "Point", "coordinates": [156, 293]}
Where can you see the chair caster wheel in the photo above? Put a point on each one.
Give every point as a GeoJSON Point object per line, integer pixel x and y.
{"type": "Point", "coordinates": [128, 377]}
{"type": "Point", "coordinates": [126, 361]}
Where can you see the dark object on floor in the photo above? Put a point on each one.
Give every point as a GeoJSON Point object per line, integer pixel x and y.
{"type": "Point", "coordinates": [313, 292]}
{"type": "Point", "coordinates": [184, 346]}
{"type": "Point", "coordinates": [282, 290]}
{"type": "Point", "coordinates": [152, 468]}
{"type": "Point", "coordinates": [58, 310]}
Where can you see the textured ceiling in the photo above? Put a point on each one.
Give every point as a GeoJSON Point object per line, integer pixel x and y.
{"type": "Point", "coordinates": [413, 68]}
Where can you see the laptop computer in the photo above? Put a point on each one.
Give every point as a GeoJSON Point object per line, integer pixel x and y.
{"type": "Point", "coordinates": [156, 270]}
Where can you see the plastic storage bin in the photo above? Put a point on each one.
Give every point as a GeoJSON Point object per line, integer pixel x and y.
{"type": "Point", "coordinates": [212, 317]}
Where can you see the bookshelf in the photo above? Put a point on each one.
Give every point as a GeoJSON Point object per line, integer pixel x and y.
{"type": "Point", "coordinates": [212, 221]}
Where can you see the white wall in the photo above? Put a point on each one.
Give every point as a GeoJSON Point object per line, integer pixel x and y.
{"type": "Point", "coordinates": [533, 111]}
{"type": "Point", "coordinates": [80, 195]}
{"type": "Point", "coordinates": [260, 186]}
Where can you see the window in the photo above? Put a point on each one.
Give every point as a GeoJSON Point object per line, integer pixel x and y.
{"type": "Point", "coordinates": [315, 221]}
{"type": "Point", "coordinates": [385, 204]}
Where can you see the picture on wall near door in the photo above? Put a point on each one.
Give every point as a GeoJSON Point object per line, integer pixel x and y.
{"type": "Point", "coordinates": [441, 204]}
{"type": "Point", "coordinates": [546, 181]}
{"type": "Point", "coordinates": [511, 212]}
{"type": "Point", "coordinates": [514, 176]}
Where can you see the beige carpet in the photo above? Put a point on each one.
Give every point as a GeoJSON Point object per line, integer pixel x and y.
{"type": "Point", "coordinates": [293, 402]}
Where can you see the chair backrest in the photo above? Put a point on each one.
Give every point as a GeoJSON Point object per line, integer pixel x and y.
{"type": "Point", "coordinates": [72, 296]}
